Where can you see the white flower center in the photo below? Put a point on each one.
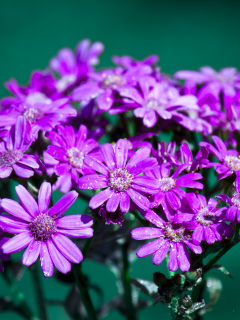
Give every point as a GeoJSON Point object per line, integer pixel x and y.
{"type": "Point", "coordinates": [112, 81]}
{"type": "Point", "coordinates": [232, 162]}
{"type": "Point", "coordinates": [75, 157]}
{"type": "Point", "coordinates": [167, 184]}
{"type": "Point", "coordinates": [8, 158]}
{"type": "Point", "coordinates": [120, 179]}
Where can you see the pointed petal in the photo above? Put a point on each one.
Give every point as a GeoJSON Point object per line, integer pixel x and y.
{"type": "Point", "coordinates": [197, 235]}
{"type": "Point", "coordinates": [183, 257]}
{"type": "Point", "coordinates": [60, 262]}
{"type": "Point", "coordinates": [27, 201]}
{"type": "Point", "coordinates": [113, 202]}
{"type": "Point", "coordinates": [92, 181]}
{"type": "Point", "coordinates": [74, 222]}
{"type": "Point", "coordinates": [124, 202]}
{"type": "Point", "coordinates": [44, 197]}
{"type": "Point", "coordinates": [67, 248]}
{"type": "Point", "coordinates": [63, 204]}
{"type": "Point", "coordinates": [31, 253]}
{"type": "Point", "coordinates": [100, 198]}
{"type": "Point", "coordinates": [17, 243]}
{"type": "Point", "coordinates": [173, 261]}
{"type": "Point", "coordinates": [161, 253]}
{"type": "Point", "coordinates": [144, 233]}
{"type": "Point", "coordinates": [15, 209]}
{"type": "Point", "coordinates": [121, 152]}
{"type": "Point", "coordinates": [149, 248]}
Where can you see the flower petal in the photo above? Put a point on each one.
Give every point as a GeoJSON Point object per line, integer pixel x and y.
{"type": "Point", "coordinates": [22, 171]}
{"type": "Point", "coordinates": [96, 165]}
{"type": "Point", "coordinates": [124, 202]}
{"type": "Point", "coordinates": [196, 249]}
{"type": "Point", "coordinates": [15, 209]}
{"type": "Point", "coordinates": [138, 198]}
{"type": "Point", "coordinates": [121, 152]}
{"type": "Point", "coordinates": [197, 235]}
{"type": "Point", "coordinates": [113, 202]}
{"type": "Point", "coordinates": [92, 181]}
{"type": "Point", "coordinates": [173, 261]}
{"type": "Point", "coordinates": [63, 204]}
{"type": "Point", "coordinates": [17, 243]}
{"type": "Point", "coordinates": [149, 248]}
{"type": "Point", "coordinates": [100, 198]}
{"type": "Point", "coordinates": [161, 253]}
{"type": "Point", "coordinates": [46, 261]}
{"type": "Point", "coordinates": [108, 155]}
{"type": "Point", "coordinates": [144, 233]}
{"type": "Point", "coordinates": [31, 253]}
{"type": "Point", "coordinates": [27, 201]}
{"type": "Point", "coordinates": [67, 248]}
{"type": "Point", "coordinates": [44, 197]}
{"type": "Point", "coordinates": [140, 155]}
{"type": "Point", "coordinates": [12, 224]}
{"type": "Point", "coordinates": [173, 200]}
{"type": "Point", "coordinates": [183, 257]}
{"type": "Point", "coordinates": [74, 222]}
{"type": "Point", "coordinates": [77, 233]}
{"type": "Point", "coordinates": [60, 262]}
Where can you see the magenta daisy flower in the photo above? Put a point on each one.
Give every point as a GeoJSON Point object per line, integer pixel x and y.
{"type": "Point", "coordinates": [120, 178]}
{"type": "Point", "coordinates": [43, 231]}
{"type": "Point", "coordinates": [169, 237]}
{"type": "Point", "coordinates": [12, 155]}
{"type": "Point", "coordinates": [229, 159]}
{"type": "Point", "coordinates": [69, 150]}
{"type": "Point", "coordinates": [233, 212]}
{"type": "Point", "coordinates": [169, 193]}
{"type": "Point", "coordinates": [206, 219]}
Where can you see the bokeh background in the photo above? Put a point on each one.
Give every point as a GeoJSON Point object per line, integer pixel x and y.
{"type": "Point", "coordinates": [185, 34]}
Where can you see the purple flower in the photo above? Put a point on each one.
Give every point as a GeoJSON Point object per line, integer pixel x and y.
{"type": "Point", "coordinates": [106, 83]}
{"type": "Point", "coordinates": [233, 212]}
{"type": "Point", "coordinates": [169, 194]}
{"type": "Point", "coordinates": [229, 159]}
{"type": "Point", "coordinates": [120, 178]}
{"type": "Point", "coordinates": [184, 156]}
{"type": "Point", "coordinates": [12, 151]}
{"type": "Point", "coordinates": [128, 62]}
{"type": "Point", "coordinates": [69, 151]}
{"type": "Point", "coordinates": [74, 68]}
{"type": "Point", "coordinates": [207, 221]}
{"type": "Point", "coordinates": [42, 230]}
{"type": "Point", "coordinates": [169, 236]}
{"type": "Point", "coordinates": [164, 154]}
{"type": "Point", "coordinates": [3, 256]}
{"type": "Point", "coordinates": [224, 81]}
{"type": "Point", "coordinates": [111, 217]}
{"type": "Point", "coordinates": [156, 100]}
{"type": "Point", "coordinates": [39, 115]}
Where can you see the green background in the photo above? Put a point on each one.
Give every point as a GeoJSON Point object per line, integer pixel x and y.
{"type": "Point", "coordinates": [185, 34]}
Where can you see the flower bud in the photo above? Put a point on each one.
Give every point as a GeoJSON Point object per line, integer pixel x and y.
{"type": "Point", "coordinates": [187, 301]}
{"type": "Point", "coordinates": [159, 278]}
{"type": "Point", "coordinates": [179, 279]}
{"type": "Point", "coordinates": [193, 274]}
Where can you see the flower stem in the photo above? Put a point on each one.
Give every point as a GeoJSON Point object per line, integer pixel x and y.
{"type": "Point", "coordinates": [208, 266]}
{"type": "Point", "coordinates": [127, 284]}
{"type": "Point", "coordinates": [80, 281]}
{"type": "Point", "coordinates": [18, 297]}
{"type": "Point", "coordinates": [42, 312]}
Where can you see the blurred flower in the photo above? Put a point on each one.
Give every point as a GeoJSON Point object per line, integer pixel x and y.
{"type": "Point", "coordinates": [74, 68]}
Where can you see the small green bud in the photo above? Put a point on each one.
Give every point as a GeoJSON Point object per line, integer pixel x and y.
{"type": "Point", "coordinates": [179, 279]}
{"type": "Point", "coordinates": [159, 278]}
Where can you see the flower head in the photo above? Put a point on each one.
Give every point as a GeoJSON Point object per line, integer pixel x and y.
{"type": "Point", "coordinates": [229, 159]}
{"type": "Point", "coordinates": [70, 150]}
{"type": "Point", "coordinates": [43, 231]}
{"type": "Point", "coordinates": [233, 211]}
{"type": "Point", "coordinates": [170, 237]}
{"type": "Point", "coordinates": [169, 193]}
{"type": "Point", "coordinates": [120, 178]}
{"type": "Point", "coordinates": [12, 151]}
{"type": "Point", "coordinates": [207, 221]}
{"type": "Point", "coordinates": [74, 68]}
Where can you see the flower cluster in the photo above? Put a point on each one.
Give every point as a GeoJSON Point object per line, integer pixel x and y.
{"type": "Point", "coordinates": [49, 132]}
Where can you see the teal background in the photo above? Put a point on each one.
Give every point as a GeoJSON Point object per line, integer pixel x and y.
{"type": "Point", "coordinates": [185, 34]}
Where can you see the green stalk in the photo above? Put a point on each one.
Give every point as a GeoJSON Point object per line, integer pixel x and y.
{"type": "Point", "coordinates": [18, 297]}
{"type": "Point", "coordinates": [80, 281]}
{"type": "Point", "coordinates": [89, 240]}
{"type": "Point", "coordinates": [42, 312]}
{"type": "Point", "coordinates": [127, 284]}
{"type": "Point", "coordinates": [208, 266]}
{"type": "Point", "coordinates": [171, 273]}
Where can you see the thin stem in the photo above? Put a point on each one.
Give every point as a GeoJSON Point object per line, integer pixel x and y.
{"type": "Point", "coordinates": [124, 124]}
{"type": "Point", "coordinates": [127, 284]}
{"type": "Point", "coordinates": [42, 312]}
{"type": "Point", "coordinates": [18, 297]}
{"type": "Point", "coordinates": [80, 281]}
{"type": "Point", "coordinates": [89, 240]}
{"type": "Point", "coordinates": [208, 266]}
